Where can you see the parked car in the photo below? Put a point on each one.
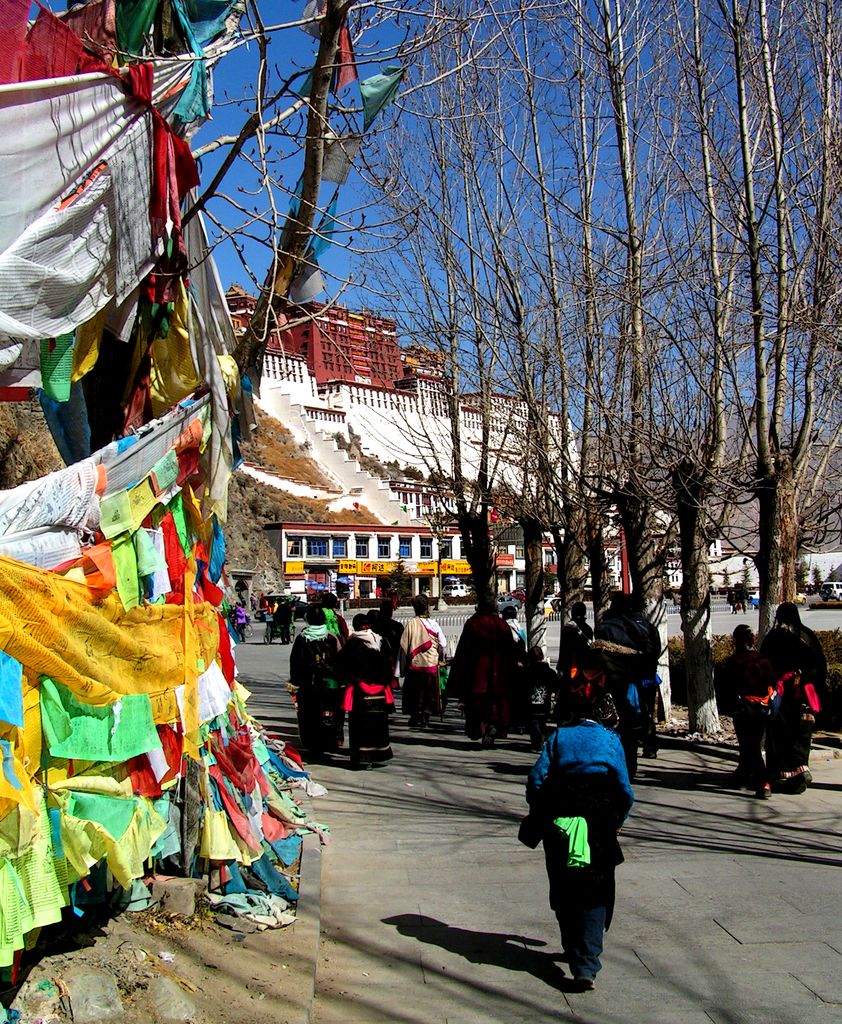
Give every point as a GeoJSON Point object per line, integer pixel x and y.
{"type": "Point", "coordinates": [508, 601]}
{"type": "Point", "coordinates": [830, 591]}
{"type": "Point", "coordinates": [454, 590]}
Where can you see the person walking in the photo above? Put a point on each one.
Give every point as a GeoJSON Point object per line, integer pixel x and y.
{"type": "Point", "coordinates": [540, 684]}
{"type": "Point", "coordinates": [240, 621]}
{"type": "Point", "coordinates": [630, 646]}
{"type": "Point", "coordinates": [573, 647]}
{"type": "Point", "coordinates": [579, 795]}
{"type": "Point", "coordinates": [482, 671]}
{"type": "Point", "coordinates": [283, 620]}
{"type": "Point", "coordinates": [313, 678]}
{"type": "Point", "coordinates": [335, 622]}
{"type": "Point", "coordinates": [800, 668]}
{"type": "Point", "coordinates": [746, 690]}
{"type": "Point", "coordinates": [386, 625]}
{"type": "Point", "coordinates": [423, 645]}
{"type": "Point", "coordinates": [365, 672]}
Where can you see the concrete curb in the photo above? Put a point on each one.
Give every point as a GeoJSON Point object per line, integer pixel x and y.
{"type": "Point", "coordinates": [309, 923]}
{"type": "Point", "coordinates": [299, 948]}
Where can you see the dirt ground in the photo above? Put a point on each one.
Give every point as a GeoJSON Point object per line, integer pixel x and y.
{"type": "Point", "coordinates": [224, 976]}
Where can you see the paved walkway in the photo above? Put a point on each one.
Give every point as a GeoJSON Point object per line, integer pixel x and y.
{"type": "Point", "coordinates": [729, 909]}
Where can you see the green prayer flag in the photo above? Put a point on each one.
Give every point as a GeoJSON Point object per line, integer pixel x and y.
{"type": "Point", "coordinates": [379, 91]}
{"type": "Point", "coordinates": [149, 558]}
{"type": "Point", "coordinates": [165, 472]}
{"type": "Point", "coordinates": [56, 366]}
{"type": "Point", "coordinates": [176, 506]}
{"type": "Point", "coordinates": [87, 732]}
{"type": "Point", "coordinates": [134, 19]}
{"type": "Point", "coordinates": [114, 813]}
{"type": "Point", "coordinates": [125, 566]}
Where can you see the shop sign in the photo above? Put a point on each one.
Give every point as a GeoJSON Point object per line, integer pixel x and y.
{"type": "Point", "coordinates": [347, 567]}
{"type": "Point", "coordinates": [375, 568]}
{"type": "Point", "coordinates": [426, 568]}
{"type": "Point", "coordinates": [455, 568]}
{"type": "Point", "coordinates": [294, 568]}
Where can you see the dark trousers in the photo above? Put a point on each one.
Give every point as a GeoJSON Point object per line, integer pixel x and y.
{"type": "Point", "coordinates": [582, 931]}
{"type": "Point", "coordinates": [750, 730]}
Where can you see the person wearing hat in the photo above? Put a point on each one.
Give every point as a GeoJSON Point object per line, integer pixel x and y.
{"type": "Point", "coordinates": [579, 795]}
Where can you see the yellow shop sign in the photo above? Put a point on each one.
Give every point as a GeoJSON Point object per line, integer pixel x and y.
{"type": "Point", "coordinates": [426, 568]}
{"type": "Point", "coordinates": [347, 567]}
{"type": "Point", "coordinates": [455, 568]}
{"type": "Point", "coordinates": [294, 568]}
{"type": "Point", "coordinates": [375, 568]}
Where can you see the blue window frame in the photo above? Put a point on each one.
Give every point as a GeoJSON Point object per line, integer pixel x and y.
{"type": "Point", "coordinates": [405, 547]}
{"type": "Point", "coordinates": [340, 547]}
{"type": "Point", "coordinates": [317, 547]}
{"type": "Point", "coordinates": [426, 545]}
{"type": "Point", "coordinates": [362, 547]}
{"type": "Point", "coordinates": [384, 547]}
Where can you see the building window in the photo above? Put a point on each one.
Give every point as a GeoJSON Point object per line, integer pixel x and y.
{"type": "Point", "coordinates": [340, 547]}
{"type": "Point", "coordinates": [362, 547]}
{"type": "Point", "coordinates": [519, 551]}
{"type": "Point", "coordinates": [384, 547]}
{"type": "Point", "coordinates": [317, 547]}
{"type": "Point", "coordinates": [447, 548]}
{"type": "Point", "coordinates": [426, 547]}
{"type": "Point", "coordinates": [405, 547]}
{"type": "Point", "coordinates": [293, 547]}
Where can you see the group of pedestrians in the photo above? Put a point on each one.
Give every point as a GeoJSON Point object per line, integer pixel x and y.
{"type": "Point", "coordinates": [774, 695]}
{"type": "Point", "coordinates": [341, 675]}
{"type": "Point", "coordinates": [601, 697]}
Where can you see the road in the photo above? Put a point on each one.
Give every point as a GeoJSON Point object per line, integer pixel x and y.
{"type": "Point", "coordinates": [729, 909]}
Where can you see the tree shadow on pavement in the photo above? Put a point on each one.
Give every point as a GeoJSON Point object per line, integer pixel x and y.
{"type": "Point", "coordinates": [496, 949]}
{"type": "Point", "coordinates": [691, 778]}
{"type": "Point", "coordinates": [505, 768]}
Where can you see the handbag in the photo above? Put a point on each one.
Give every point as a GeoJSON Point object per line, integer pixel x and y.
{"type": "Point", "coordinates": [531, 832]}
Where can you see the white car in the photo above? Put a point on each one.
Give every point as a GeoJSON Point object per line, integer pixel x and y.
{"type": "Point", "coordinates": [454, 590]}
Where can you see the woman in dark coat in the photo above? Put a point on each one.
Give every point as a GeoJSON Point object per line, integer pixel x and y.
{"type": "Point", "coordinates": [482, 674]}
{"type": "Point", "coordinates": [801, 671]}
{"type": "Point", "coordinates": [579, 795]}
{"type": "Point", "coordinates": [746, 689]}
{"type": "Point", "coordinates": [365, 672]}
{"type": "Point", "coordinates": [313, 675]}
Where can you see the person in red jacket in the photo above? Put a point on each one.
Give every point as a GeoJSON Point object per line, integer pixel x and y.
{"type": "Point", "coordinates": [482, 673]}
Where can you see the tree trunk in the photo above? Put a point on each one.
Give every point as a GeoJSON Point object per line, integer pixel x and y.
{"type": "Point", "coordinates": [777, 499]}
{"type": "Point", "coordinates": [476, 543]}
{"type": "Point", "coordinates": [600, 576]}
{"type": "Point", "coordinates": [646, 570]}
{"type": "Point", "coordinates": [695, 602]}
{"type": "Point", "coordinates": [570, 561]}
{"type": "Point", "coordinates": [536, 626]}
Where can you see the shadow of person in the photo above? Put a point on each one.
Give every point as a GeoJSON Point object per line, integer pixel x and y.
{"type": "Point", "coordinates": [497, 949]}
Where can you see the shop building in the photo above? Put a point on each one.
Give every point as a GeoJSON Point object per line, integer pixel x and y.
{"type": "Point", "coordinates": [317, 556]}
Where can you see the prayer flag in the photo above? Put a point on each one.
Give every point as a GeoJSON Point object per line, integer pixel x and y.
{"type": "Point", "coordinates": [378, 92]}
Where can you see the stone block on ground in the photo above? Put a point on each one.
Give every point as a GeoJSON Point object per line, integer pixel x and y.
{"type": "Point", "coordinates": [93, 996]}
{"type": "Point", "coordinates": [177, 895]}
{"type": "Point", "coordinates": [169, 1003]}
{"type": "Point", "coordinates": [38, 999]}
